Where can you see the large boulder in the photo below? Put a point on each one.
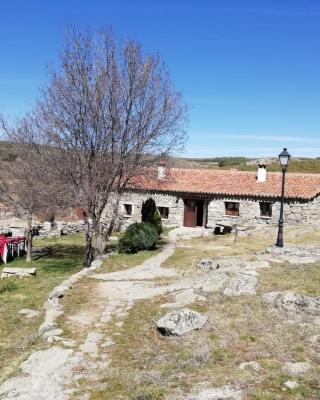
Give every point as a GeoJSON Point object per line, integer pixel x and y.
{"type": "Point", "coordinates": [179, 322]}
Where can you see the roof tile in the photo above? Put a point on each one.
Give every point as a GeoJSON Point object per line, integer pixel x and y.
{"type": "Point", "coordinates": [233, 183]}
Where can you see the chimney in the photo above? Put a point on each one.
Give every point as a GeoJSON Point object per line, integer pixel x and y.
{"type": "Point", "coordinates": [262, 171]}
{"type": "Point", "coordinates": [161, 170]}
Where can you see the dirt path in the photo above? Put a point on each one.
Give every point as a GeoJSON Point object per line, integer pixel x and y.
{"type": "Point", "coordinates": [51, 374]}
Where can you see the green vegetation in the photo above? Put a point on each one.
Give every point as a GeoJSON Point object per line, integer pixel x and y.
{"type": "Point", "coordinates": [55, 260]}
{"type": "Point", "coordinates": [302, 165]}
{"type": "Point", "coordinates": [137, 237]}
{"type": "Point", "coordinates": [8, 285]}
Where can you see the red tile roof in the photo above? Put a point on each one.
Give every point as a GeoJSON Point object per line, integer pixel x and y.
{"type": "Point", "coordinates": [233, 183]}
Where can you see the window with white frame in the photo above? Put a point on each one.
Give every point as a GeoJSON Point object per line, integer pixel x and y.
{"type": "Point", "coordinates": [164, 212]}
{"type": "Point", "coordinates": [127, 210]}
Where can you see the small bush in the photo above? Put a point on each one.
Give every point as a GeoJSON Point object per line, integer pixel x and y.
{"type": "Point", "coordinates": [7, 285]}
{"type": "Point", "coordinates": [137, 237]}
{"type": "Point", "coordinates": [150, 214]}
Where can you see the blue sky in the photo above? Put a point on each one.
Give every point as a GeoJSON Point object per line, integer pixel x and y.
{"type": "Point", "coordinates": [249, 70]}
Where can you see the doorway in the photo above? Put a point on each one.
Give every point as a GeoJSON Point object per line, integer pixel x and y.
{"type": "Point", "coordinates": [193, 213]}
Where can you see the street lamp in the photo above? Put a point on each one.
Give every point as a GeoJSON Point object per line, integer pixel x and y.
{"type": "Point", "coordinates": [284, 158]}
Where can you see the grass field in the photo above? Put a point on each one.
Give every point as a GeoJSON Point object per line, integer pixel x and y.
{"type": "Point", "coordinates": [58, 259]}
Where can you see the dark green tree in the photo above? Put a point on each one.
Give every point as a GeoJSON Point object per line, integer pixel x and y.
{"type": "Point", "coordinates": [151, 215]}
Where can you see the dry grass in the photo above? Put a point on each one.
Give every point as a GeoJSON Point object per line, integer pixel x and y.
{"type": "Point", "coordinates": [303, 279]}
{"type": "Point", "coordinates": [189, 251]}
{"type": "Point", "coordinates": [238, 331]}
{"type": "Point", "coordinates": [146, 365]}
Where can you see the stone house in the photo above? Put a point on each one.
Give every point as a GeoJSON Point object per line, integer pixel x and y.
{"type": "Point", "coordinates": [212, 198]}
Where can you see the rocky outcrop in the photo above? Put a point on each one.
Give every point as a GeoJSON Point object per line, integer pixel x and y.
{"type": "Point", "coordinates": [292, 254]}
{"type": "Point", "coordinates": [224, 393]}
{"type": "Point", "coordinates": [295, 304]}
{"type": "Point", "coordinates": [54, 363]}
{"type": "Point", "coordinates": [179, 322]}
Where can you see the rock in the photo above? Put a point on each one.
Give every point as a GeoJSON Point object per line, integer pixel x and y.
{"type": "Point", "coordinates": [69, 343]}
{"type": "Point", "coordinates": [251, 365]}
{"type": "Point", "coordinates": [45, 327]}
{"type": "Point", "coordinates": [207, 264]}
{"type": "Point", "coordinates": [294, 303]}
{"type": "Point", "coordinates": [28, 313]}
{"type": "Point", "coordinates": [224, 393]}
{"type": "Point", "coordinates": [58, 292]}
{"type": "Point", "coordinates": [52, 333]}
{"type": "Point", "coordinates": [292, 254]}
{"type": "Point", "coordinates": [296, 369]}
{"type": "Point", "coordinates": [43, 377]}
{"type": "Point", "coordinates": [241, 284]}
{"type": "Point", "coordinates": [90, 345]}
{"type": "Point", "coordinates": [179, 322]}
{"type": "Point", "coordinates": [187, 296]}
{"type": "Point", "coordinates": [291, 385]}
{"type": "Point", "coordinates": [18, 272]}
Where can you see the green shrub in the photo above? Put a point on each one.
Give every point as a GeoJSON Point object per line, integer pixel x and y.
{"type": "Point", "coordinates": [7, 285]}
{"type": "Point", "coordinates": [138, 236]}
{"type": "Point", "coordinates": [151, 215]}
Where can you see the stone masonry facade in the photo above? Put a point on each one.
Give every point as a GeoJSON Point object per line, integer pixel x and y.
{"type": "Point", "coordinates": [295, 212]}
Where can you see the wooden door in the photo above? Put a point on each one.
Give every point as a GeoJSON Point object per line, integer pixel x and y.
{"type": "Point", "coordinates": [190, 213]}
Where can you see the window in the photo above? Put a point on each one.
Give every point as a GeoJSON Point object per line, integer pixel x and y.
{"type": "Point", "coordinates": [164, 212]}
{"type": "Point", "coordinates": [232, 208]}
{"type": "Point", "coordinates": [265, 209]}
{"type": "Point", "coordinates": [127, 209]}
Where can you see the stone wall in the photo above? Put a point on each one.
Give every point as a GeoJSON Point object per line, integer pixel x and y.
{"type": "Point", "coordinates": [56, 229]}
{"type": "Point", "coordinates": [135, 199]}
{"type": "Point", "coordinates": [295, 212]}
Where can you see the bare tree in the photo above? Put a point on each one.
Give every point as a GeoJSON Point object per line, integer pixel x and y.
{"type": "Point", "coordinates": [25, 182]}
{"type": "Point", "coordinates": [107, 113]}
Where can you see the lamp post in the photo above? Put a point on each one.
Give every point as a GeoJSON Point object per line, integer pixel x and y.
{"type": "Point", "coordinates": [284, 158]}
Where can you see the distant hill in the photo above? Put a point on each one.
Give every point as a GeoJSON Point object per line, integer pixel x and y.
{"type": "Point", "coordinates": [306, 165]}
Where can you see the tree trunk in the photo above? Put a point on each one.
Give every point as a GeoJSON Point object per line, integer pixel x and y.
{"type": "Point", "coordinates": [29, 239]}
{"type": "Point", "coordinates": [115, 215]}
{"type": "Point", "coordinates": [89, 250]}
{"type": "Point", "coordinates": [100, 241]}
